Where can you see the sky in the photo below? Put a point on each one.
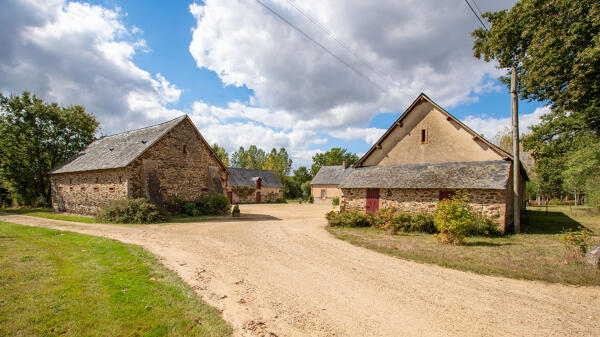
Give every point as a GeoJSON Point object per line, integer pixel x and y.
{"type": "Point", "coordinates": [305, 75]}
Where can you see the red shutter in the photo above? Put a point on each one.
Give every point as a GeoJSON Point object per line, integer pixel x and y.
{"type": "Point", "coordinates": [372, 200]}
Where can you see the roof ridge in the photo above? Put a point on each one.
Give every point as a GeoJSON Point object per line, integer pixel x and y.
{"type": "Point", "coordinates": [142, 128]}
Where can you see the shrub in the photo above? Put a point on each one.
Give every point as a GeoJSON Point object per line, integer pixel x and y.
{"type": "Point", "coordinates": [577, 242]}
{"type": "Point", "coordinates": [454, 219]}
{"type": "Point", "coordinates": [335, 201]}
{"type": "Point", "coordinates": [422, 222]}
{"type": "Point", "coordinates": [219, 205]}
{"type": "Point", "coordinates": [484, 226]}
{"type": "Point", "coordinates": [236, 211]}
{"type": "Point", "coordinates": [349, 218]}
{"type": "Point", "coordinates": [555, 202]}
{"type": "Point", "coordinates": [281, 201]}
{"type": "Point", "coordinates": [175, 203]}
{"type": "Point", "coordinates": [189, 208]}
{"type": "Point", "coordinates": [203, 205]}
{"type": "Point", "coordinates": [130, 211]}
{"type": "Point", "coordinates": [311, 199]}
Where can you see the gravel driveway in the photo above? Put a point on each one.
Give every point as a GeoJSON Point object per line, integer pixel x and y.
{"type": "Point", "coordinates": [277, 272]}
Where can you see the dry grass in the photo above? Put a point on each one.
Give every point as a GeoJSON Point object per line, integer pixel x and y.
{"type": "Point", "coordinates": [536, 254]}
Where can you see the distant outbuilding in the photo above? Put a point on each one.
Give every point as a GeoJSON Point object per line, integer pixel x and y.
{"type": "Point", "coordinates": [247, 186]}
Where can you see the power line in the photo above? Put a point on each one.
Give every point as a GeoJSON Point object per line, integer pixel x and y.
{"type": "Point", "coordinates": [477, 16]}
{"type": "Point", "coordinates": [478, 10]}
{"type": "Point", "coordinates": [335, 38]}
{"type": "Point", "coordinates": [349, 66]}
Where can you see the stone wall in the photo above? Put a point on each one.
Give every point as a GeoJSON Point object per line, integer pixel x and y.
{"type": "Point", "coordinates": [87, 192]}
{"type": "Point", "coordinates": [240, 195]}
{"type": "Point", "coordinates": [179, 163]}
{"type": "Point", "coordinates": [491, 203]}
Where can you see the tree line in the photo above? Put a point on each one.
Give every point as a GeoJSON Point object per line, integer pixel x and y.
{"type": "Point", "coordinates": [296, 183]}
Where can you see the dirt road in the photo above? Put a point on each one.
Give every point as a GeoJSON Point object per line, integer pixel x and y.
{"type": "Point", "coordinates": [282, 273]}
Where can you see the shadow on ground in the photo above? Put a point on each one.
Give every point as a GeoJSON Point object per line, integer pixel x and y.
{"type": "Point", "coordinates": [245, 217]}
{"type": "Point", "coordinates": [541, 222]}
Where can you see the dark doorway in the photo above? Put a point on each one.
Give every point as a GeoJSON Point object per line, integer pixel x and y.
{"type": "Point", "coordinates": [258, 197]}
{"type": "Point", "coordinates": [230, 197]}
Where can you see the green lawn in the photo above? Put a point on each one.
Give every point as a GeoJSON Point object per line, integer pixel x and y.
{"type": "Point", "coordinates": [55, 283]}
{"type": "Point", "coordinates": [536, 254]}
{"type": "Point", "coordinates": [48, 213]}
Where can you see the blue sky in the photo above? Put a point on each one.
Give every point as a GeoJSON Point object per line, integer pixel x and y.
{"type": "Point", "coordinates": [245, 77]}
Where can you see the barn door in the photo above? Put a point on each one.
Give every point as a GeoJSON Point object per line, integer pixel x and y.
{"type": "Point", "coordinates": [372, 200]}
{"type": "Point", "coordinates": [230, 196]}
{"type": "Point", "coordinates": [258, 197]}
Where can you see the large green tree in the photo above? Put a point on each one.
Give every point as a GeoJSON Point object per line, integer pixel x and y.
{"type": "Point", "coordinates": [335, 156]}
{"type": "Point", "coordinates": [36, 137]}
{"type": "Point", "coordinates": [221, 153]}
{"type": "Point", "coordinates": [253, 158]}
{"type": "Point", "coordinates": [292, 189]}
{"type": "Point", "coordinates": [279, 162]}
{"type": "Point", "coordinates": [555, 45]}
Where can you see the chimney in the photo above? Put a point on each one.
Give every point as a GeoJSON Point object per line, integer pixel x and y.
{"type": "Point", "coordinates": [344, 165]}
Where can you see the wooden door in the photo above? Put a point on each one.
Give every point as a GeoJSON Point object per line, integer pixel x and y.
{"type": "Point", "coordinates": [372, 200]}
{"type": "Point", "coordinates": [230, 197]}
{"type": "Point", "coordinates": [258, 197]}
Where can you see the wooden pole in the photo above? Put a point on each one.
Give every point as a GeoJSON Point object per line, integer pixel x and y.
{"type": "Point", "coordinates": [515, 135]}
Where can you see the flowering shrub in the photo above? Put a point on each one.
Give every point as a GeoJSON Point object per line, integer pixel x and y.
{"type": "Point", "coordinates": [454, 219]}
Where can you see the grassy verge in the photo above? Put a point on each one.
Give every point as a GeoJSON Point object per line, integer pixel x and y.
{"type": "Point", "coordinates": [60, 283]}
{"type": "Point", "coordinates": [48, 213]}
{"type": "Point", "coordinates": [535, 254]}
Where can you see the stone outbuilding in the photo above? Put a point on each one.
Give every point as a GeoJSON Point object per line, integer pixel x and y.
{"type": "Point", "coordinates": [325, 184]}
{"type": "Point", "coordinates": [246, 186]}
{"type": "Point", "coordinates": [155, 162]}
{"type": "Point", "coordinates": [428, 155]}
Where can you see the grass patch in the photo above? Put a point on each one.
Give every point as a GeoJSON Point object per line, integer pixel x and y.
{"type": "Point", "coordinates": [61, 283]}
{"type": "Point", "coordinates": [536, 254]}
{"type": "Point", "coordinates": [48, 213]}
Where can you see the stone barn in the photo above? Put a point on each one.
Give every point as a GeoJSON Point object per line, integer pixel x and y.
{"type": "Point", "coordinates": [428, 155]}
{"type": "Point", "coordinates": [325, 184]}
{"type": "Point", "coordinates": [246, 186]}
{"type": "Point", "coordinates": [155, 162]}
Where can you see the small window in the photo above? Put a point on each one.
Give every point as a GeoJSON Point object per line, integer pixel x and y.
{"type": "Point", "coordinates": [185, 149]}
{"type": "Point", "coordinates": [120, 179]}
{"type": "Point", "coordinates": [111, 189]}
{"type": "Point", "coordinates": [82, 188]}
{"type": "Point", "coordinates": [71, 188]}
{"type": "Point", "coordinates": [95, 189]}
{"type": "Point", "coordinates": [424, 136]}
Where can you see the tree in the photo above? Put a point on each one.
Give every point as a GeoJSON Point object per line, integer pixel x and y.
{"type": "Point", "coordinates": [583, 169]}
{"type": "Point", "coordinates": [292, 189]}
{"type": "Point", "coordinates": [556, 46]}
{"type": "Point", "coordinates": [335, 156]}
{"type": "Point", "coordinates": [221, 153]}
{"type": "Point", "coordinates": [253, 158]}
{"type": "Point", "coordinates": [504, 139]}
{"type": "Point", "coordinates": [36, 137]}
{"type": "Point", "coordinates": [279, 162]}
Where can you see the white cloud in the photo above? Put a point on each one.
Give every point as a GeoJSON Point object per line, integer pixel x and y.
{"type": "Point", "coordinates": [415, 45]}
{"type": "Point", "coordinates": [77, 53]}
{"type": "Point", "coordinates": [491, 126]}
{"type": "Point", "coordinates": [369, 135]}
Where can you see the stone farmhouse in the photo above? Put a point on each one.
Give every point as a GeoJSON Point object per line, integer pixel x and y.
{"type": "Point", "coordinates": [153, 162]}
{"type": "Point", "coordinates": [325, 184]}
{"type": "Point", "coordinates": [428, 155]}
{"type": "Point", "coordinates": [247, 186]}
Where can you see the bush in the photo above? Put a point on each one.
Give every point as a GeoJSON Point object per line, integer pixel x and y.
{"type": "Point", "coordinates": [484, 226]}
{"type": "Point", "coordinates": [335, 201]}
{"type": "Point", "coordinates": [422, 222]}
{"type": "Point", "coordinates": [130, 211]}
{"type": "Point", "coordinates": [311, 199]}
{"type": "Point", "coordinates": [454, 219]}
{"type": "Point", "coordinates": [219, 205]}
{"type": "Point", "coordinates": [236, 211]}
{"type": "Point", "coordinates": [203, 205]}
{"type": "Point", "coordinates": [577, 242]}
{"type": "Point", "coordinates": [281, 201]}
{"type": "Point", "coordinates": [189, 208]}
{"type": "Point", "coordinates": [349, 218]}
{"type": "Point", "coordinates": [175, 203]}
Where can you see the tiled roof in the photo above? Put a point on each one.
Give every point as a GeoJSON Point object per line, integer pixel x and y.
{"type": "Point", "coordinates": [458, 175]}
{"type": "Point", "coordinates": [330, 175]}
{"type": "Point", "coordinates": [117, 150]}
{"type": "Point", "coordinates": [247, 177]}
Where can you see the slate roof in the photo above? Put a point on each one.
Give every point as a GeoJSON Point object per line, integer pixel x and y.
{"type": "Point", "coordinates": [117, 150]}
{"type": "Point", "coordinates": [330, 175]}
{"type": "Point", "coordinates": [247, 177]}
{"type": "Point", "coordinates": [459, 175]}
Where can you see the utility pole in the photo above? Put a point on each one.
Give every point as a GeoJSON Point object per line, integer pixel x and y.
{"type": "Point", "coordinates": [515, 138]}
